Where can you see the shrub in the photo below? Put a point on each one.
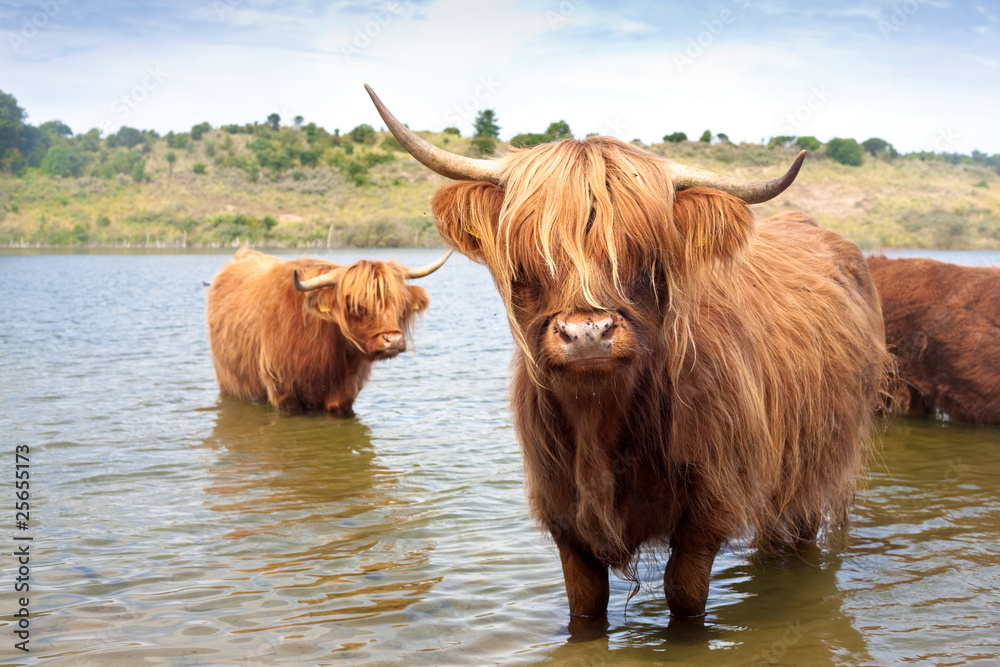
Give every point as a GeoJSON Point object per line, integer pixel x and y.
{"type": "Point", "coordinates": [62, 161]}
{"type": "Point", "coordinates": [177, 140]}
{"type": "Point", "coordinates": [139, 171]}
{"type": "Point", "coordinates": [484, 145]}
{"type": "Point", "coordinates": [308, 158]}
{"type": "Point", "coordinates": [808, 143]}
{"type": "Point", "coordinates": [390, 143]}
{"type": "Point", "coordinates": [199, 168]}
{"type": "Point", "coordinates": [706, 137]}
{"type": "Point", "coordinates": [523, 140]}
{"type": "Point", "coordinates": [845, 151]}
{"type": "Point", "coordinates": [453, 130]}
{"type": "Point", "coordinates": [198, 130]}
{"type": "Point", "coordinates": [362, 134]}
{"type": "Point", "coordinates": [558, 131]}
{"type": "Point", "coordinates": [784, 141]}
{"type": "Point", "coordinates": [676, 137]}
{"type": "Point", "coordinates": [126, 136]}
{"type": "Point", "coordinates": [876, 147]}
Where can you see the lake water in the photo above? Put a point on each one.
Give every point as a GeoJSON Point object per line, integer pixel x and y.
{"type": "Point", "coordinates": [171, 526]}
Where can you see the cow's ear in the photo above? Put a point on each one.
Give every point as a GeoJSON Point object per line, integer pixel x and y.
{"type": "Point", "coordinates": [419, 298]}
{"type": "Point", "coordinates": [467, 214]}
{"type": "Point", "coordinates": [714, 225]}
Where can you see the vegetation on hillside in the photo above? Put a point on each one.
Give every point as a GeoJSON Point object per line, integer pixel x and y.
{"type": "Point", "coordinates": [301, 185]}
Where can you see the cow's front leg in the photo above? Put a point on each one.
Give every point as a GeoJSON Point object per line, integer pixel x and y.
{"type": "Point", "coordinates": [586, 581]}
{"type": "Point", "coordinates": [689, 569]}
{"type": "Point", "coordinates": [338, 407]}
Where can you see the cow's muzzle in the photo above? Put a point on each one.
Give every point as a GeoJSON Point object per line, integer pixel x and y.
{"type": "Point", "coordinates": [584, 340]}
{"type": "Point", "coordinates": [388, 345]}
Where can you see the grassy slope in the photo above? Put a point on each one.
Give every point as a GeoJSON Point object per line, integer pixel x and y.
{"type": "Point", "coordinates": [903, 203]}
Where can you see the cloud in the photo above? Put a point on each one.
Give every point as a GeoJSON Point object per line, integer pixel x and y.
{"type": "Point", "coordinates": [601, 66]}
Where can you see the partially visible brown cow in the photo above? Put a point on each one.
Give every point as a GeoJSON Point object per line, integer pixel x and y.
{"type": "Point", "coordinates": [302, 334]}
{"type": "Point", "coordinates": [683, 376]}
{"type": "Point", "coordinates": [942, 322]}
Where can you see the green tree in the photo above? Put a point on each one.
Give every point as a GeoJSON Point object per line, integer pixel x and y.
{"type": "Point", "coordinates": [177, 140]}
{"type": "Point", "coordinates": [274, 120]}
{"type": "Point", "coordinates": [485, 124]}
{"type": "Point", "coordinates": [128, 137]}
{"type": "Point", "coordinates": [808, 143]}
{"type": "Point", "coordinates": [558, 131]}
{"type": "Point", "coordinates": [706, 137]}
{"type": "Point", "coordinates": [845, 151]}
{"type": "Point", "coordinates": [453, 130]}
{"type": "Point", "coordinates": [484, 145]}
{"type": "Point", "coordinates": [298, 120]}
{"type": "Point", "coordinates": [676, 137]}
{"type": "Point", "coordinates": [362, 134]}
{"type": "Point", "coordinates": [198, 130]}
{"type": "Point", "coordinates": [308, 158]}
{"type": "Point", "coordinates": [138, 171]}
{"type": "Point", "coordinates": [724, 138]}
{"type": "Point", "coordinates": [11, 121]}
{"type": "Point", "coordinates": [876, 147]}
{"type": "Point", "coordinates": [91, 141]}
{"type": "Point", "coordinates": [171, 158]}
{"type": "Point", "coordinates": [56, 128]}
{"type": "Point", "coordinates": [199, 168]}
{"type": "Point", "coordinates": [62, 161]}
{"type": "Point", "coordinates": [784, 141]}
{"type": "Point", "coordinates": [526, 139]}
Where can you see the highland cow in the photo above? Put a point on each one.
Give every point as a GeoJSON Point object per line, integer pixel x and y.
{"type": "Point", "coordinates": [683, 376]}
{"type": "Point", "coordinates": [302, 334]}
{"type": "Point", "coordinates": [942, 324]}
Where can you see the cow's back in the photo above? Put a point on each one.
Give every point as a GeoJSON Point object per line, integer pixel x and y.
{"type": "Point", "coordinates": [239, 311]}
{"type": "Point", "coordinates": [943, 326]}
{"type": "Point", "coordinates": [789, 347]}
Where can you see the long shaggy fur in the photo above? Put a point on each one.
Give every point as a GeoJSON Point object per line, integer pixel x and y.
{"type": "Point", "coordinates": [942, 323]}
{"type": "Point", "coordinates": [302, 351]}
{"type": "Point", "coordinates": [755, 356]}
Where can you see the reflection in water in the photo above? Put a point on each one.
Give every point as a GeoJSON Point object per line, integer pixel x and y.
{"type": "Point", "coordinates": [917, 580]}
{"type": "Point", "coordinates": [925, 557]}
{"type": "Point", "coordinates": [172, 534]}
{"type": "Point", "coordinates": [312, 519]}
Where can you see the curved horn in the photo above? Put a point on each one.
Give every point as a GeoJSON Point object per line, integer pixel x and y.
{"type": "Point", "coordinates": [428, 269]}
{"type": "Point", "coordinates": [752, 192]}
{"type": "Point", "coordinates": [449, 165]}
{"type": "Point", "coordinates": [325, 280]}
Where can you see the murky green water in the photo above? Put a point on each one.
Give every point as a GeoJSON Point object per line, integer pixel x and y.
{"type": "Point", "coordinates": [174, 527]}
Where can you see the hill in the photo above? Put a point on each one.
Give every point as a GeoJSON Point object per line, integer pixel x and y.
{"type": "Point", "coordinates": [304, 187]}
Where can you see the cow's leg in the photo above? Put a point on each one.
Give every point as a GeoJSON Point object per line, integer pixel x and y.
{"type": "Point", "coordinates": [586, 581]}
{"type": "Point", "coordinates": [340, 407]}
{"type": "Point", "coordinates": [685, 580]}
{"type": "Point", "coordinates": [284, 398]}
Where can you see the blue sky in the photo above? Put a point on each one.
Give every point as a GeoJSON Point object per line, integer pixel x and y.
{"type": "Point", "coordinates": [922, 74]}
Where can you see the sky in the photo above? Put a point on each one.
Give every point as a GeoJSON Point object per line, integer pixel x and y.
{"type": "Point", "coordinates": [921, 74]}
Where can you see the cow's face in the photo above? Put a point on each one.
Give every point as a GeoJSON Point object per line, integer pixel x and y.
{"type": "Point", "coordinates": [372, 304]}
{"type": "Point", "coordinates": [598, 261]}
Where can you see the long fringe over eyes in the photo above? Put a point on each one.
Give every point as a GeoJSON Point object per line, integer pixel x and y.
{"type": "Point", "coordinates": [375, 293]}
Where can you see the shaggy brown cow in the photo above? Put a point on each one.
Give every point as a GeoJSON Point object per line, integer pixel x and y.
{"type": "Point", "coordinates": [683, 376]}
{"type": "Point", "coordinates": [942, 322]}
{"type": "Point", "coordinates": [310, 344]}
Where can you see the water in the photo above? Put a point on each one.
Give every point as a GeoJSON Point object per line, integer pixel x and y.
{"type": "Point", "coordinates": [173, 526]}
